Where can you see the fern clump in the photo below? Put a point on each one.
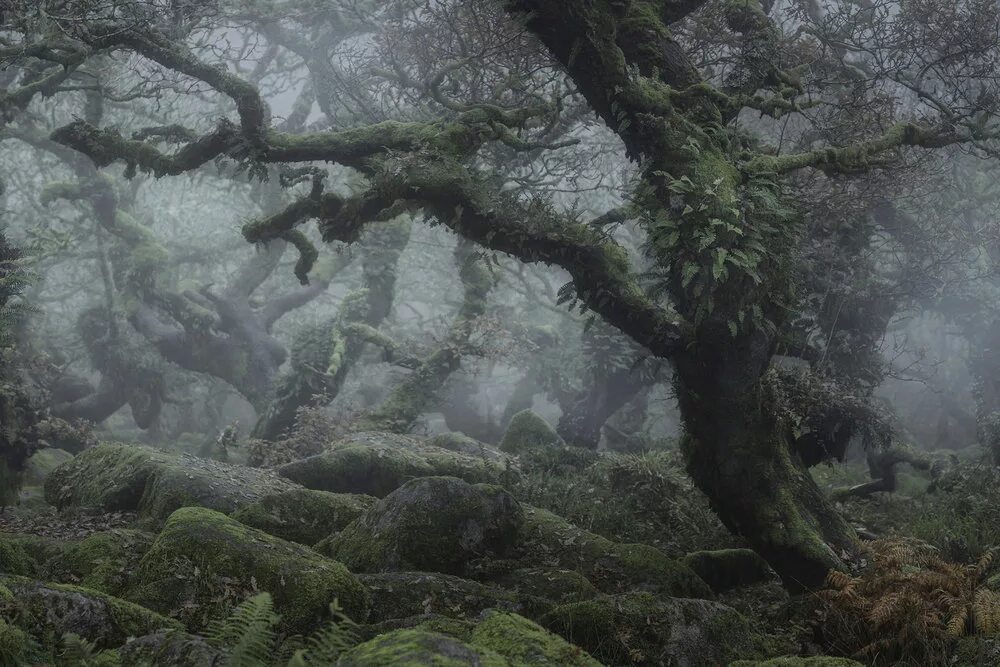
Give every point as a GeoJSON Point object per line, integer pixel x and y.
{"type": "Point", "coordinates": [250, 638]}
{"type": "Point", "coordinates": [910, 606]}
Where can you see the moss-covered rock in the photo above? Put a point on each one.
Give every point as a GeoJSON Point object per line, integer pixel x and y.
{"type": "Point", "coordinates": [102, 561]}
{"type": "Point", "coordinates": [14, 645]}
{"type": "Point", "coordinates": [432, 524]}
{"type": "Point", "coordinates": [115, 477]}
{"type": "Point", "coordinates": [43, 462]}
{"type": "Point", "coordinates": [644, 629]}
{"type": "Point", "coordinates": [526, 644]}
{"type": "Point", "coordinates": [725, 569]}
{"type": "Point", "coordinates": [14, 559]}
{"type": "Point", "coordinates": [204, 562]}
{"type": "Point", "coordinates": [53, 610]}
{"type": "Point", "coordinates": [305, 516]}
{"type": "Point", "coordinates": [39, 548]}
{"type": "Point", "coordinates": [796, 661]}
{"type": "Point", "coordinates": [547, 539]}
{"type": "Point", "coordinates": [408, 594]}
{"type": "Point", "coordinates": [171, 649]}
{"type": "Point", "coordinates": [527, 432]}
{"type": "Point", "coordinates": [419, 648]}
{"type": "Point", "coordinates": [463, 444]}
{"type": "Point", "coordinates": [379, 463]}
{"type": "Point", "coordinates": [553, 584]}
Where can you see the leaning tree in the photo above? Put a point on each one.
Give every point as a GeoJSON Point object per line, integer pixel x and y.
{"type": "Point", "coordinates": [705, 96]}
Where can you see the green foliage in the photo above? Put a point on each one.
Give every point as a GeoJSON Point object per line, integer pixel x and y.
{"type": "Point", "coordinates": [13, 280]}
{"type": "Point", "coordinates": [250, 638]}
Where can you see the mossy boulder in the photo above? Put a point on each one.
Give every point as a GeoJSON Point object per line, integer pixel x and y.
{"type": "Point", "coordinates": [527, 433]}
{"type": "Point", "coordinates": [14, 645]}
{"type": "Point", "coordinates": [547, 540]}
{"type": "Point", "coordinates": [116, 477]}
{"type": "Point", "coordinates": [725, 569]}
{"type": "Point", "coordinates": [102, 561]}
{"type": "Point", "coordinates": [796, 661]}
{"type": "Point", "coordinates": [305, 516]}
{"type": "Point", "coordinates": [463, 444]}
{"type": "Point", "coordinates": [377, 464]}
{"type": "Point", "coordinates": [526, 644]}
{"type": "Point", "coordinates": [407, 594]}
{"type": "Point", "coordinates": [432, 524]}
{"type": "Point", "coordinates": [43, 462]}
{"type": "Point", "coordinates": [53, 610]}
{"type": "Point", "coordinates": [14, 559]}
{"type": "Point", "coordinates": [171, 649]}
{"type": "Point", "coordinates": [203, 563]}
{"type": "Point", "coordinates": [642, 628]}
{"type": "Point", "coordinates": [419, 648]}
{"type": "Point", "coordinates": [553, 584]}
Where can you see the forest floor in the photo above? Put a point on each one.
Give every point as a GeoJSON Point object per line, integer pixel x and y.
{"type": "Point", "coordinates": [444, 551]}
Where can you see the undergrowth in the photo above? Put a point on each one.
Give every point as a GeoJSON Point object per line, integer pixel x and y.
{"type": "Point", "coordinates": [909, 607]}
{"type": "Point", "coordinates": [250, 638]}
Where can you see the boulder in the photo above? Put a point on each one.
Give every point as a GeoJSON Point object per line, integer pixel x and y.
{"type": "Point", "coordinates": [305, 516]}
{"type": "Point", "coordinates": [397, 595]}
{"type": "Point", "coordinates": [549, 540]}
{"type": "Point", "coordinates": [116, 477]}
{"type": "Point", "coordinates": [14, 558]}
{"type": "Point", "coordinates": [43, 462]}
{"type": "Point", "coordinates": [102, 561]}
{"type": "Point", "coordinates": [411, 647]}
{"type": "Point", "coordinates": [641, 628]}
{"type": "Point", "coordinates": [463, 444]}
{"type": "Point", "coordinates": [553, 584]}
{"type": "Point", "coordinates": [797, 661]}
{"type": "Point", "coordinates": [377, 464]}
{"type": "Point", "coordinates": [203, 563]}
{"type": "Point", "coordinates": [432, 524]}
{"type": "Point", "coordinates": [725, 569]}
{"type": "Point", "coordinates": [53, 610]}
{"type": "Point", "coordinates": [172, 649]}
{"type": "Point", "coordinates": [527, 433]}
{"type": "Point", "coordinates": [527, 644]}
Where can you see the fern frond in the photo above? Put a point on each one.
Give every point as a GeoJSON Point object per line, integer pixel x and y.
{"type": "Point", "coordinates": [327, 645]}
{"type": "Point", "coordinates": [248, 633]}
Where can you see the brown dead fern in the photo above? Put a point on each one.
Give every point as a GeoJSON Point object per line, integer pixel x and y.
{"type": "Point", "coordinates": [910, 605]}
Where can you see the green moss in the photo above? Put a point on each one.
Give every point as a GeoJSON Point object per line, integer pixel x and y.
{"type": "Point", "coordinates": [433, 524]}
{"type": "Point", "coordinates": [14, 559]}
{"type": "Point", "coordinates": [13, 645]}
{"type": "Point", "coordinates": [372, 470]}
{"type": "Point", "coordinates": [42, 463]}
{"type": "Point", "coordinates": [203, 562]}
{"type": "Point", "coordinates": [796, 661]}
{"type": "Point", "coordinates": [610, 566]}
{"type": "Point", "coordinates": [453, 627]}
{"type": "Point", "coordinates": [102, 561]}
{"type": "Point", "coordinates": [528, 432]}
{"type": "Point", "coordinates": [724, 569]}
{"type": "Point", "coordinates": [305, 516]}
{"type": "Point", "coordinates": [526, 644]}
{"type": "Point", "coordinates": [377, 463]}
{"type": "Point", "coordinates": [419, 648]}
{"type": "Point", "coordinates": [117, 477]}
{"type": "Point", "coordinates": [644, 628]}
{"type": "Point", "coordinates": [50, 610]}
{"type": "Point", "coordinates": [555, 585]}
{"type": "Point", "coordinates": [398, 595]}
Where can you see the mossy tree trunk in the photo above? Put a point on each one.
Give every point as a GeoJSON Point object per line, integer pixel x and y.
{"type": "Point", "coordinates": [742, 458]}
